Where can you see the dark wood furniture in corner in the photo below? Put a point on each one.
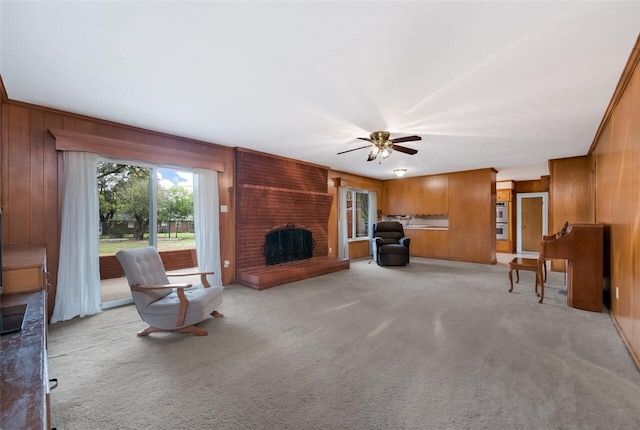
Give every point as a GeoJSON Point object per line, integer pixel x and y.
{"type": "Point", "coordinates": [582, 246]}
{"type": "Point", "coordinates": [24, 379]}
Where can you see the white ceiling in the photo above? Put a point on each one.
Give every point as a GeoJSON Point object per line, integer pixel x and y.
{"type": "Point", "coordinates": [507, 85]}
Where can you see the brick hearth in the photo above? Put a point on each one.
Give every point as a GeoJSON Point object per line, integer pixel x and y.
{"type": "Point", "coordinates": [264, 277]}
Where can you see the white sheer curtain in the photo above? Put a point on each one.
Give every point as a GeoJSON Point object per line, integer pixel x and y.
{"type": "Point", "coordinates": [343, 231]}
{"type": "Point", "coordinates": [78, 291]}
{"type": "Point", "coordinates": [373, 216]}
{"type": "Point", "coordinates": [207, 222]}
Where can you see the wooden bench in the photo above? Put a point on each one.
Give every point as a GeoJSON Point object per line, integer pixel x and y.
{"type": "Point", "coordinates": [531, 264]}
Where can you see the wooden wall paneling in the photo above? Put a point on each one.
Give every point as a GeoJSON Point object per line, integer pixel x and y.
{"type": "Point", "coordinates": [37, 179]}
{"type": "Point", "coordinates": [3, 92]}
{"type": "Point", "coordinates": [616, 156]}
{"type": "Point", "coordinates": [4, 147]}
{"type": "Point", "coordinates": [472, 227]}
{"type": "Point", "coordinates": [570, 194]}
{"type": "Point", "coordinates": [18, 208]}
{"type": "Point", "coordinates": [359, 249]}
{"type": "Point", "coordinates": [571, 191]}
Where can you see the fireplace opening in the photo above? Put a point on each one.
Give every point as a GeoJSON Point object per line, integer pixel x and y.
{"type": "Point", "coordinates": [287, 243]}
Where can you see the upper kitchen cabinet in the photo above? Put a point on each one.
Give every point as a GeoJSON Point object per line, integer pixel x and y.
{"type": "Point", "coordinates": [435, 197]}
{"type": "Point", "coordinates": [503, 195]}
{"type": "Point", "coordinates": [423, 195]}
{"type": "Point", "coordinates": [504, 191]}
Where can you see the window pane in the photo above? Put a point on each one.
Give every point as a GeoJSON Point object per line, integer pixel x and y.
{"type": "Point", "coordinates": [123, 193]}
{"type": "Point", "coordinates": [175, 210]}
{"type": "Point", "coordinates": [350, 215]}
{"type": "Point", "coordinates": [362, 215]}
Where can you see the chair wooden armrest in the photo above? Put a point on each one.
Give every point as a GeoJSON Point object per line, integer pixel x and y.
{"type": "Point", "coordinates": [190, 274]}
{"type": "Point", "coordinates": [141, 287]}
{"type": "Point", "coordinates": [203, 276]}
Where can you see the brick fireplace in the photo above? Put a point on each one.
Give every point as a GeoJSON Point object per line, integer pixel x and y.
{"type": "Point", "coordinates": [273, 191]}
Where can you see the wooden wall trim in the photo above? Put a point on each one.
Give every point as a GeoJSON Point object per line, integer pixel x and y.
{"type": "Point", "coordinates": [108, 123]}
{"type": "Point", "coordinates": [3, 91]}
{"type": "Point", "coordinates": [73, 141]}
{"type": "Point", "coordinates": [625, 77]}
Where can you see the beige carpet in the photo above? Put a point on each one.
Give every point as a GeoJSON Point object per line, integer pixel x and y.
{"type": "Point", "coordinates": [434, 345]}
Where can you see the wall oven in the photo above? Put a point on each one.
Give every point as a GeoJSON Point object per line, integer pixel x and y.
{"type": "Point", "coordinates": [502, 221]}
{"type": "Point", "coordinates": [502, 231]}
{"type": "Point", "coordinates": [502, 212]}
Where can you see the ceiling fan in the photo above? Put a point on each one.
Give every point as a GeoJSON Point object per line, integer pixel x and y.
{"type": "Point", "coordinates": [382, 146]}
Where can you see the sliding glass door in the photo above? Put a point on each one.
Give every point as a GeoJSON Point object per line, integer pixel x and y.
{"type": "Point", "coordinates": [140, 206]}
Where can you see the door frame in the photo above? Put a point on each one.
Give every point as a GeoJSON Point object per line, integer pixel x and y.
{"type": "Point", "coordinates": [545, 216]}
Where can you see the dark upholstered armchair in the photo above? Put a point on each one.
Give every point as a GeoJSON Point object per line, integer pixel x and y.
{"type": "Point", "coordinates": [390, 247]}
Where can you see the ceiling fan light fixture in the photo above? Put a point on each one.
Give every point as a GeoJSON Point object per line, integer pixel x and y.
{"type": "Point", "coordinates": [400, 172]}
{"type": "Point", "coordinates": [386, 151]}
{"type": "Point", "coordinates": [380, 145]}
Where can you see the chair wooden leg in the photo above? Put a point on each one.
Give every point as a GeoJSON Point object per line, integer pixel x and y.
{"type": "Point", "coordinates": [217, 314]}
{"type": "Point", "coordinates": [189, 329]}
{"type": "Point", "coordinates": [511, 280]}
{"type": "Point", "coordinates": [539, 275]}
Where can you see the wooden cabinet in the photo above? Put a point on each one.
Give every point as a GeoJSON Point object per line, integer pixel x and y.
{"type": "Point", "coordinates": [467, 198]}
{"type": "Point", "coordinates": [504, 246]}
{"type": "Point", "coordinates": [507, 246]}
{"type": "Point", "coordinates": [503, 195]}
{"type": "Point", "coordinates": [428, 243]}
{"type": "Point", "coordinates": [23, 364]}
{"type": "Point", "coordinates": [24, 268]}
{"type": "Point", "coordinates": [472, 216]}
{"type": "Point", "coordinates": [423, 195]}
{"type": "Point", "coordinates": [435, 195]}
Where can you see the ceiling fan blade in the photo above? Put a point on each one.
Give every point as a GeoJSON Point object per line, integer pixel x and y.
{"type": "Point", "coordinates": [404, 149]}
{"type": "Point", "coordinates": [366, 138]}
{"type": "Point", "coordinates": [354, 149]}
{"type": "Point", "coordinates": [405, 139]}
